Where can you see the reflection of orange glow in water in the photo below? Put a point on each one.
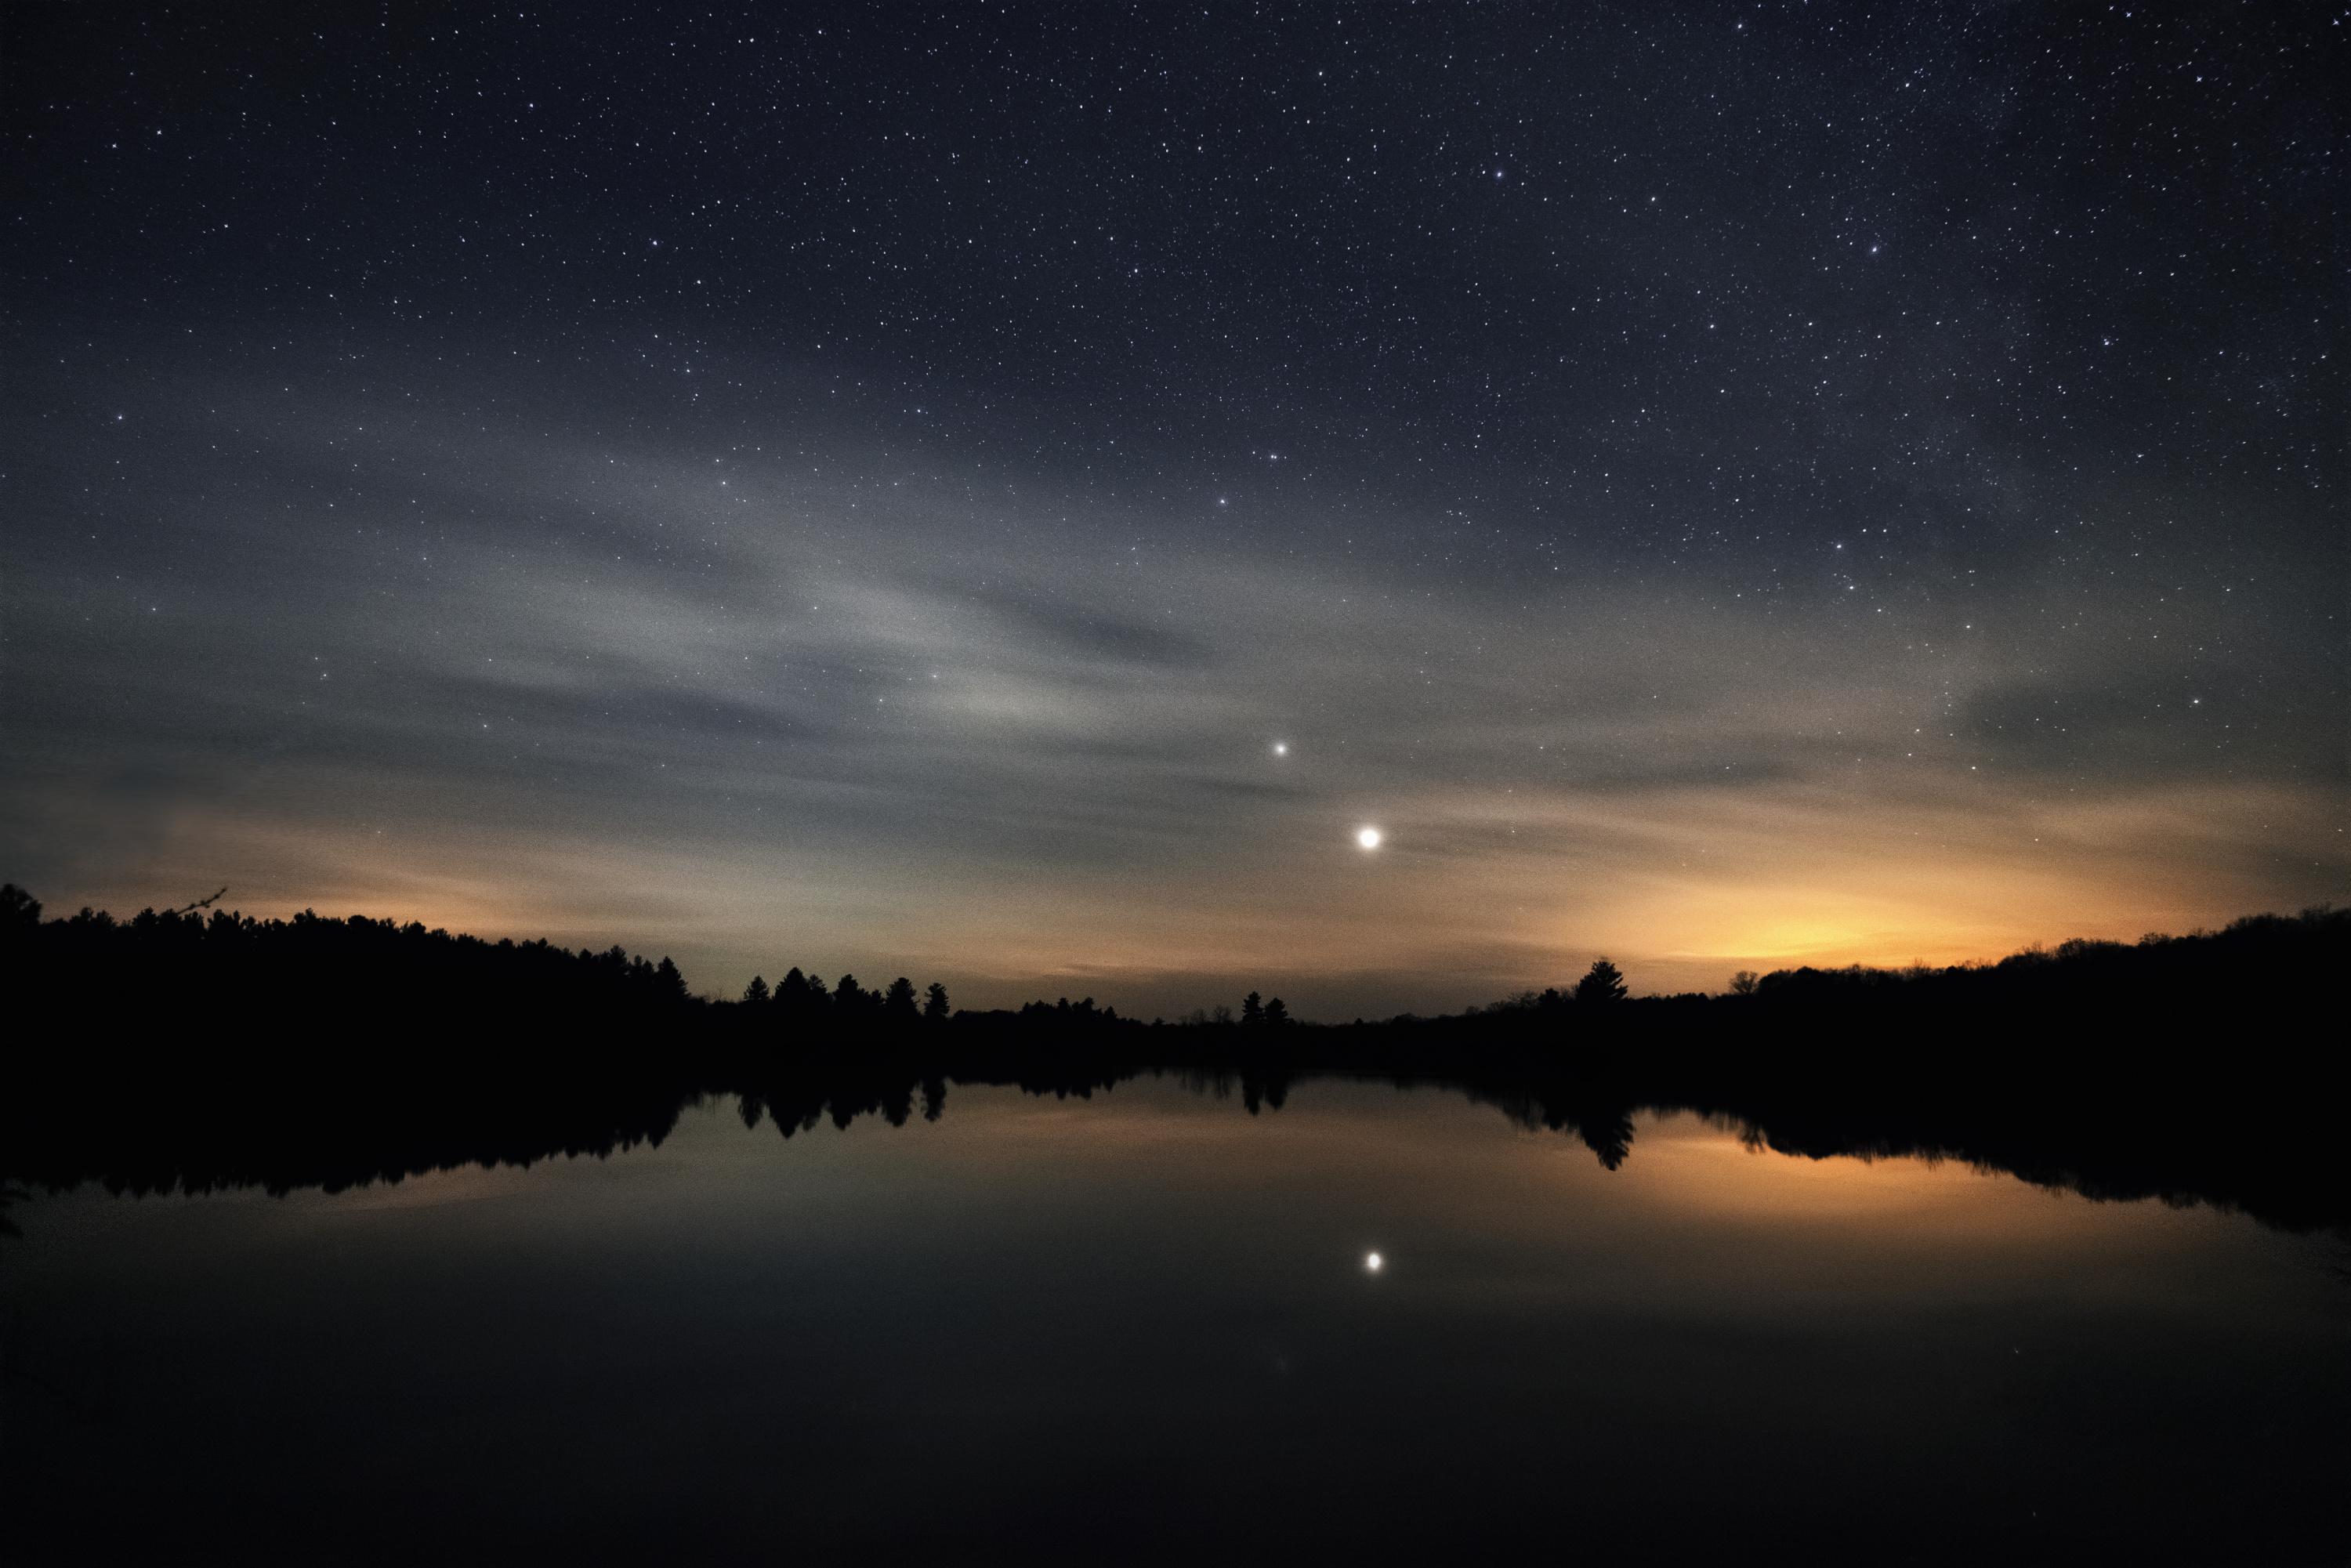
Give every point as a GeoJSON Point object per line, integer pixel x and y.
{"type": "Point", "coordinates": [1442, 1154]}
{"type": "Point", "coordinates": [1700, 1168]}
{"type": "Point", "coordinates": [1694, 1220]}
{"type": "Point", "coordinates": [438, 1188]}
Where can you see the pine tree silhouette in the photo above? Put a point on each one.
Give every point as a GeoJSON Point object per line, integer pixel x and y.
{"type": "Point", "coordinates": [1603, 982]}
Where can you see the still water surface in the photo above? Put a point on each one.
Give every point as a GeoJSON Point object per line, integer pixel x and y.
{"type": "Point", "coordinates": [1145, 1325]}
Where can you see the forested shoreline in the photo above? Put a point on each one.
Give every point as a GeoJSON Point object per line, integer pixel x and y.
{"type": "Point", "coordinates": [205, 965]}
{"type": "Point", "coordinates": [212, 1050]}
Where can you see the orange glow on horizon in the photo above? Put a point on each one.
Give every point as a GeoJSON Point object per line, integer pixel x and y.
{"type": "Point", "coordinates": [1680, 889]}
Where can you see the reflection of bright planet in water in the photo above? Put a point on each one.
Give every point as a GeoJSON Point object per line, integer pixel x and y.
{"type": "Point", "coordinates": [1372, 1262]}
{"type": "Point", "coordinates": [1369, 838]}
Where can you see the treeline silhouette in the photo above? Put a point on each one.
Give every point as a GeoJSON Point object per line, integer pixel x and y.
{"type": "Point", "coordinates": [202, 964]}
{"type": "Point", "coordinates": [202, 967]}
{"type": "Point", "coordinates": [196, 1049]}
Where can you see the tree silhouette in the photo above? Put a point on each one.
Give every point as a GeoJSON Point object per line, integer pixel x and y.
{"type": "Point", "coordinates": [1603, 982]}
{"type": "Point", "coordinates": [20, 911]}
{"type": "Point", "coordinates": [898, 1003]}
{"type": "Point", "coordinates": [1252, 1011]}
{"type": "Point", "coordinates": [934, 1003]}
{"type": "Point", "coordinates": [755, 995]}
{"type": "Point", "coordinates": [804, 998]}
{"type": "Point", "coordinates": [1276, 1014]}
{"type": "Point", "coordinates": [1742, 984]}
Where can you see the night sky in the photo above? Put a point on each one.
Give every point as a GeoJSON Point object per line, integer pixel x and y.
{"type": "Point", "coordinates": [1005, 494]}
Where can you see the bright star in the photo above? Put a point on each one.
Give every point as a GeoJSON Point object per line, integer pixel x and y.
{"type": "Point", "coordinates": [1372, 1261]}
{"type": "Point", "coordinates": [1369, 838]}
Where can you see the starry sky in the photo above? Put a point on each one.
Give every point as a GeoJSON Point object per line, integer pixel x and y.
{"type": "Point", "coordinates": [1006, 493]}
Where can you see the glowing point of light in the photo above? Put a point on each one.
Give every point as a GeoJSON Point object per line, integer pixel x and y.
{"type": "Point", "coordinates": [1281, 749]}
{"type": "Point", "coordinates": [1369, 838]}
{"type": "Point", "coordinates": [1372, 1261]}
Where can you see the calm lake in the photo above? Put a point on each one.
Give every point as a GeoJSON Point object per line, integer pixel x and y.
{"type": "Point", "coordinates": [1148, 1324]}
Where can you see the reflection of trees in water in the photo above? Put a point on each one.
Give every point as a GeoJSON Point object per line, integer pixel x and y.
{"type": "Point", "coordinates": [374, 1068]}
{"type": "Point", "coordinates": [1604, 1127]}
{"type": "Point", "coordinates": [297, 1133]}
{"type": "Point", "coordinates": [2123, 1148]}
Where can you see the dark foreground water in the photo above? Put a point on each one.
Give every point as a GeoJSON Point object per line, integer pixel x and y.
{"type": "Point", "coordinates": [1146, 1325]}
